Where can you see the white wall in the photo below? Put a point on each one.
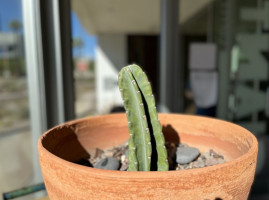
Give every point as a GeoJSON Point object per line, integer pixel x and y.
{"type": "Point", "coordinates": [111, 56]}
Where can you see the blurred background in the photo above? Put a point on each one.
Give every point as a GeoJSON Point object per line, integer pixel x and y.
{"type": "Point", "coordinates": [59, 60]}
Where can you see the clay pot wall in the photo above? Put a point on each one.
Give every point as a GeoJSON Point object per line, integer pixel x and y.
{"type": "Point", "coordinates": [67, 143]}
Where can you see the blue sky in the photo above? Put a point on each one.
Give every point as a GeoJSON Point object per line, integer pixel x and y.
{"type": "Point", "coordinates": [78, 31]}
{"type": "Point", "coordinates": [12, 10]}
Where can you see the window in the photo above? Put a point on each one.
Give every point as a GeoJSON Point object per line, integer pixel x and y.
{"type": "Point", "coordinates": [16, 169]}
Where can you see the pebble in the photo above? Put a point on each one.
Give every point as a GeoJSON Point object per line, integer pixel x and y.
{"type": "Point", "coordinates": [98, 152]}
{"type": "Point", "coordinates": [210, 162]}
{"type": "Point", "coordinates": [116, 158]}
{"type": "Point", "coordinates": [205, 156]}
{"type": "Point", "coordinates": [122, 158]}
{"type": "Point", "coordinates": [124, 165]}
{"type": "Point", "coordinates": [109, 153]}
{"type": "Point", "coordinates": [186, 155]}
{"type": "Point", "coordinates": [108, 163]}
{"type": "Point", "coordinates": [204, 160]}
{"type": "Point", "coordinates": [198, 163]}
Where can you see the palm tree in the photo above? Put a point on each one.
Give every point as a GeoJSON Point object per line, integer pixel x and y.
{"type": "Point", "coordinates": [78, 44]}
{"type": "Point", "coordinates": [15, 26]}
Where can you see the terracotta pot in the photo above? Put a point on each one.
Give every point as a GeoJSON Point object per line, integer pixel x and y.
{"type": "Point", "coordinates": [63, 145]}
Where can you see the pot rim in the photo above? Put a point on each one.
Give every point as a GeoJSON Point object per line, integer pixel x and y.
{"type": "Point", "coordinates": [161, 175]}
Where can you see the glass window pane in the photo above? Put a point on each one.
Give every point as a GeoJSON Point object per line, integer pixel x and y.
{"type": "Point", "coordinates": [15, 137]}
{"type": "Point", "coordinates": [123, 36]}
{"type": "Point", "coordinates": [84, 68]}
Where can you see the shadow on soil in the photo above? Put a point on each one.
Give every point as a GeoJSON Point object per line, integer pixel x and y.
{"type": "Point", "coordinates": [170, 134]}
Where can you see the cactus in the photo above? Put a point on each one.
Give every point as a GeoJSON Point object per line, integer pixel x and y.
{"type": "Point", "coordinates": [146, 142]}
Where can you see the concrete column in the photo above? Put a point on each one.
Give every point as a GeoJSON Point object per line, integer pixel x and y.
{"type": "Point", "coordinates": [171, 73]}
{"type": "Point", "coordinates": [224, 60]}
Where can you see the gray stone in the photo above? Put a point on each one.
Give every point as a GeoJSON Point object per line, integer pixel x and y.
{"type": "Point", "coordinates": [108, 163]}
{"type": "Point", "coordinates": [186, 154]}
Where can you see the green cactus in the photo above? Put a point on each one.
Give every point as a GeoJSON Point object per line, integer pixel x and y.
{"type": "Point", "coordinates": [146, 142]}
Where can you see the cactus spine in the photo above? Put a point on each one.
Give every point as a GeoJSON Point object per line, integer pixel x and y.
{"type": "Point", "coordinates": [146, 137]}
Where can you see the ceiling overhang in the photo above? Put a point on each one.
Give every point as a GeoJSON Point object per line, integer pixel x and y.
{"type": "Point", "coordinates": [129, 16]}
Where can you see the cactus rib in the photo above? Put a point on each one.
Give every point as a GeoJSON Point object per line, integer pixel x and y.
{"type": "Point", "coordinates": [139, 150]}
{"type": "Point", "coordinates": [145, 130]}
{"type": "Point", "coordinates": [146, 90]}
